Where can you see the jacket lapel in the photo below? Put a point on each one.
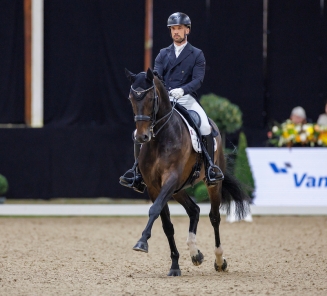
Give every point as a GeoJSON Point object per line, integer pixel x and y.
{"type": "Point", "coordinates": [171, 54]}
{"type": "Point", "coordinates": [184, 54]}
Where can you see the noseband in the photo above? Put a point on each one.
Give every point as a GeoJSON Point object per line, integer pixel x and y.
{"type": "Point", "coordinates": [140, 95]}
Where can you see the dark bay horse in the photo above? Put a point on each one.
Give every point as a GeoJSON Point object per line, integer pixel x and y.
{"type": "Point", "coordinates": [166, 160]}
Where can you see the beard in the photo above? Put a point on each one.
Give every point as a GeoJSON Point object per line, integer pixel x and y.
{"type": "Point", "coordinates": [178, 38]}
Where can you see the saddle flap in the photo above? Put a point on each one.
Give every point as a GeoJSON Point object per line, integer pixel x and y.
{"type": "Point", "coordinates": [195, 139]}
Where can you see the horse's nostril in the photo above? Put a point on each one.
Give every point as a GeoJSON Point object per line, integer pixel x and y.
{"type": "Point", "coordinates": [145, 138]}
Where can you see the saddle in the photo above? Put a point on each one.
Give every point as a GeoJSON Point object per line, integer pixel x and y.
{"type": "Point", "coordinates": [193, 121]}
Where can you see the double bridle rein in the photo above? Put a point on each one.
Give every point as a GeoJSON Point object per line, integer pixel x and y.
{"type": "Point", "coordinates": [140, 95]}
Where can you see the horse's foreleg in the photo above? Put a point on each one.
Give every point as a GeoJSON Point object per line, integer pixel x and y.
{"type": "Point", "coordinates": [214, 215]}
{"type": "Point", "coordinates": [193, 211]}
{"type": "Point", "coordinates": [169, 231]}
{"type": "Point", "coordinates": [165, 194]}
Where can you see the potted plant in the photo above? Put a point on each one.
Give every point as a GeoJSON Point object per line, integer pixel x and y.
{"type": "Point", "coordinates": [225, 114]}
{"type": "Point", "coordinates": [242, 169]}
{"type": "Point", "coordinates": [3, 188]}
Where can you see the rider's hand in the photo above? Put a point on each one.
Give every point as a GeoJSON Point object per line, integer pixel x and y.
{"type": "Point", "coordinates": [177, 93]}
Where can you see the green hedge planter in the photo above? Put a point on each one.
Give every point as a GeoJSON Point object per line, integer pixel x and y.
{"type": "Point", "coordinates": [3, 185]}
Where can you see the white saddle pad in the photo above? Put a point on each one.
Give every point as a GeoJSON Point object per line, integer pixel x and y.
{"type": "Point", "coordinates": [194, 138]}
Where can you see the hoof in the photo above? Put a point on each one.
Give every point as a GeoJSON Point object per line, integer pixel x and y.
{"type": "Point", "coordinates": [221, 268]}
{"type": "Point", "coordinates": [197, 259]}
{"type": "Point", "coordinates": [141, 247]}
{"type": "Point", "coordinates": [174, 272]}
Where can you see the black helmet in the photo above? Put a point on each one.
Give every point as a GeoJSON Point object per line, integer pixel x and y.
{"type": "Point", "coordinates": [179, 18]}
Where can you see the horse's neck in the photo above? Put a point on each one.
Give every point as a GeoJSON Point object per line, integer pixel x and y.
{"type": "Point", "coordinates": [164, 102]}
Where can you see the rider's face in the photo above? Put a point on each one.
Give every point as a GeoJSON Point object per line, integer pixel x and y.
{"type": "Point", "coordinates": [178, 33]}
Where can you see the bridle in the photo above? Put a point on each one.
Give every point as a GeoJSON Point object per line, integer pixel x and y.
{"type": "Point", "coordinates": [140, 95]}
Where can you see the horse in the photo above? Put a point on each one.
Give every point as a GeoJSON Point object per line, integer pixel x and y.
{"type": "Point", "coordinates": [166, 161]}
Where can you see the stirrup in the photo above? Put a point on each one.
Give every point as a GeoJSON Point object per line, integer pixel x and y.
{"type": "Point", "coordinates": [132, 182]}
{"type": "Point", "coordinates": [214, 181]}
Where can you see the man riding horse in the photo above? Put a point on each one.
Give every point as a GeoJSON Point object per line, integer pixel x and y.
{"type": "Point", "coordinates": [182, 67]}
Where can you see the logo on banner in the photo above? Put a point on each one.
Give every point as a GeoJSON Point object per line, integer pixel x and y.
{"type": "Point", "coordinates": [300, 180]}
{"type": "Point", "coordinates": [282, 170]}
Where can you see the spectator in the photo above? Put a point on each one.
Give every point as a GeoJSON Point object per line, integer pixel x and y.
{"type": "Point", "coordinates": [322, 119]}
{"type": "Point", "coordinates": [298, 115]}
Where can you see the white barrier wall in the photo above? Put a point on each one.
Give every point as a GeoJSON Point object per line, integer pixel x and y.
{"type": "Point", "coordinates": [289, 176]}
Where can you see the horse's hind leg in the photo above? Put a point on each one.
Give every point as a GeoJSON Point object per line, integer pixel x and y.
{"type": "Point", "coordinates": [193, 211]}
{"type": "Point", "coordinates": [214, 215]}
{"type": "Point", "coordinates": [169, 231]}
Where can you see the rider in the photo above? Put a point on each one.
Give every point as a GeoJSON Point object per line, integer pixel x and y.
{"type": "Point", "coordinates": [182, 67]}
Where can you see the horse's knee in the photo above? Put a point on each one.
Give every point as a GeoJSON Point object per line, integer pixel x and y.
{"type": "Point", "coordinates": [154, 211]}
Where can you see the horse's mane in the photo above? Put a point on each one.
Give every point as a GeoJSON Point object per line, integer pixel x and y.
{"type": "Point", "coordinates": [155, 73]}
{"type": "Point", "coordinates": [161, 85]}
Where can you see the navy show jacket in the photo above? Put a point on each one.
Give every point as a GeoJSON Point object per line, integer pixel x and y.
{"type": "Point", "coordinates": [186, 72]}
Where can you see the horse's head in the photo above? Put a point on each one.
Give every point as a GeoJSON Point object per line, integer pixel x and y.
{"type": "Point", "coordinates": [144, 99]}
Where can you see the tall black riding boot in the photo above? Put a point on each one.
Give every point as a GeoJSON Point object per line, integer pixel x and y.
{"type": "Point", "coordinates": [135, 179]}
{"type": "Point", "coordinates": [213, 172]}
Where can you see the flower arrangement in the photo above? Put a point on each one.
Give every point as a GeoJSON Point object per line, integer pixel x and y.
{"type": "Point", "coordinates": [290, 134]}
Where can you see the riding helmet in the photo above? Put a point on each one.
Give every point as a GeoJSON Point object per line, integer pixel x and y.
{"type": "Point", "coordinates": [179, 18]}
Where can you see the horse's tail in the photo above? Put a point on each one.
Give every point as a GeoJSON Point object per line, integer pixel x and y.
{"type": "Point", "coordinates": [234, 190]}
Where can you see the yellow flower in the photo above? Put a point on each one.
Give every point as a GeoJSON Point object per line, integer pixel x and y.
{"type": "Point", "coordinates": [323, 138]}
{"type": "Point", "coordinates": [309, 130]}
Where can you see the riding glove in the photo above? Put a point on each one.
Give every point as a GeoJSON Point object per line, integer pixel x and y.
{"type": "Point", "coordinates": [177, 93]}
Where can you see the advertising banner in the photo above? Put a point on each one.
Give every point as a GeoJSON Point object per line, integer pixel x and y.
{"type": "Point", "coordinates": [289, 176]}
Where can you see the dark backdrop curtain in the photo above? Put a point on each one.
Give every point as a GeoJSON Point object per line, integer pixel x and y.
{"type": "Point", "coordinates": [230, 34]}
{"type": "Point", "coordinates": [295, 58]}
{"type": "Point", "coordinates": [235, 64]}
{"type": "Point", "coordinates": [323, 50]}
{"type": "Point", "coordinates": [11, 61]}
{"type": "Point", "coordinates": [87, 46]}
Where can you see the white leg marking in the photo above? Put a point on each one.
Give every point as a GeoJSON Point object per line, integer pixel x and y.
{"type": "Point", "coordinates": [191, 242]}
{"type": "Point", "coordinates": [219, 256]}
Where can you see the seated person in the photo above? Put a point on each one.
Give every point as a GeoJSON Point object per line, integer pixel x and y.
{"type": "Point", "coordinates": [322, 119]}
{"type": "Point", "coordinates": [298, 115]}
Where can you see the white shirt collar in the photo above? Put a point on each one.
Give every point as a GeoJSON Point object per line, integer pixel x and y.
{"type": "Point", "coordinates": [179, 48]}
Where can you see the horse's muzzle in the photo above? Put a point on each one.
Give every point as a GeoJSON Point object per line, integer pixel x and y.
{"type": "Point", "coordinates": [143, 137]}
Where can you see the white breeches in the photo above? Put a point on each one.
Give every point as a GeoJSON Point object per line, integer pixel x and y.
{"type": "Point", "coordinates": [190, 103]}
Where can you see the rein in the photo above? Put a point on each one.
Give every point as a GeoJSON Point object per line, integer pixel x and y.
{"type": "Point", "coordinates": [140, 94]}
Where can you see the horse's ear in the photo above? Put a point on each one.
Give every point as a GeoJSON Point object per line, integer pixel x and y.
{"type": "Point", "coordinates": [149, 74]}
{"type": "Point", "coordinates": [131, 76]}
